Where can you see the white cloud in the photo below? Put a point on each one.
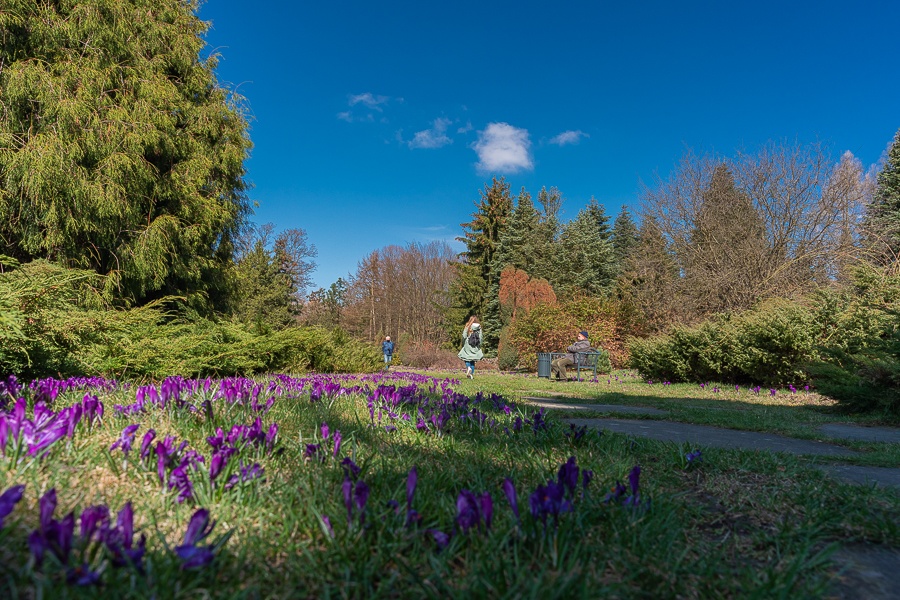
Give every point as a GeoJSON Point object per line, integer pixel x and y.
{"type": "Point", "coordinates": [568, 137]}
{"type": "Point", "coordinates": [434, 137]}
{"type": "Point", "coordinates": [468, 127]}
{"type": "Point", "coordinates": [370, 100]}
{"type": "Point", "coordinates": [503, 148]}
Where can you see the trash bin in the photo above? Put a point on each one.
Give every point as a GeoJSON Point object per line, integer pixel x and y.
{"type": "Point", "coordinates": [543, 364]}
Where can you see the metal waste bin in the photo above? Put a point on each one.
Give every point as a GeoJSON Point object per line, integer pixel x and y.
{"type": "Point", "coordinates": [543, 364]}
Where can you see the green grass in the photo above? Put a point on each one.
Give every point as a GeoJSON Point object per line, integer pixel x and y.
{"type": "Point", "coordinates": [795, 415]}
{"type": "Point", "coordinates": [740, 524]}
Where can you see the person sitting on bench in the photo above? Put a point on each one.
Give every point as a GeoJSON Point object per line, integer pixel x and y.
{"type": "Point", "coordinates": [559, 365]}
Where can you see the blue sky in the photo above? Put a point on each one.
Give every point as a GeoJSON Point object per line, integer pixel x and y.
{"type": "Point", "coordinates": [378, 123]}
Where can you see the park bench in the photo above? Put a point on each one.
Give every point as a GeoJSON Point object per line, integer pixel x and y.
{"type": "Point", "coordinates": [584, 361]}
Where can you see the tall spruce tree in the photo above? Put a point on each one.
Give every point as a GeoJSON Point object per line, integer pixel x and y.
{"type": "Point", "coordinates": [546, 236]}
{"type": "Point", "coordinates": [624, 238]}
{"type": "Point", "coordinates": [517, 248]}
{"type": "Point", "coordinates": [119, 150]}
{"type": "Point", "coordinates": [883, 214]}
{"type": "Point", "coordinates": [723, 264]}
{"type": "Point", "coordinates": [481, 235]}
{"type": "Point", "coordinates": [588, 263]}
{"type": "Point", "coordinates": [649, 283]}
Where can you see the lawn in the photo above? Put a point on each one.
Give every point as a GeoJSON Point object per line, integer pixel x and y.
{"type": "Point", "coordinates": [437, 487]}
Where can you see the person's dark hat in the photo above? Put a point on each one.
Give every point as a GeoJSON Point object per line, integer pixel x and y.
{"type": "Point", "coordinates": [584, 333]}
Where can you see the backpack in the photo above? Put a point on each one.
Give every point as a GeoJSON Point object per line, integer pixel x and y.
{"type": "Point", "coordinates": [474, 339]}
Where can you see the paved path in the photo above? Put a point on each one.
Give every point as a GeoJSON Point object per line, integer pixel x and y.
{"type": "Point", "coordinates": [863, 571]}
{"type": "Point", "coordinates": [864, 475]}
{"type": "Point", "coordinates": [890, 435]}
{"type": "Point", "coordinates": [715, 436]}
{"type": "Point", "coordinates": [601, 408]}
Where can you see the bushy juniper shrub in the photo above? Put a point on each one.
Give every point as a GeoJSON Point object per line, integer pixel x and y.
{"type": "Point", "coordinates": [847, 342]}
{"type": "Point", "coordinates": [770, 344]}
{"type": "Point", "coordinates": [860, 365]}
{"type": "Point", "coordinates": [54, 323]}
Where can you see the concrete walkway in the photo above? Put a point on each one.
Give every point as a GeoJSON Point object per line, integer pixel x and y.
{"type": "Point", "coordinates": [890, 435]}
{"type": "Point", "coordinates": [600, 408]}
{"type": "Point", "coordinates": [716, 437]}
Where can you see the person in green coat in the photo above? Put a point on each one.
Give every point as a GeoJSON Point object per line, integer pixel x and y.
{"type": "Point", "coordinates": [471, 350]}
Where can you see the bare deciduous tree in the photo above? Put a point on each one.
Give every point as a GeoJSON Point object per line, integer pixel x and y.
{"type": "Point", "coordinates": [769, 223]}
{"type": "Point", "coordinates": [401, 291]}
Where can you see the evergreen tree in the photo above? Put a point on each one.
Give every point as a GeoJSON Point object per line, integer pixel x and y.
{"type": "Point", "coordinates": [649, 283]}
{"type": "Point", "coordinates": [722, 264]}
{"type": "Point", "coordinates": [546, 236]}
{"type": "Point", "coordinates": [516, 248]}
{"type": "Point", "coordinates": [271, 273]}
{"type": "Point", "coordinates": [265, 292]}
{"type": "Point", "coordinates": [482, 234]}
{"type": "Point", "coordinates": [883, 214]}
{"type": "Point", "coordinates": [588, 263]}
{"type": "Point", "coordinates": [119, 150]}
{"type": "Point", "coordinates": [624, 238]}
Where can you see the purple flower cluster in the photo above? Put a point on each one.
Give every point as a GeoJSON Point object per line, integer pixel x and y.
{"type": "Point", "coordinates": [46, 427]}
{"type": "Point", "coordinates": [47, 390]}
{"type": "Point", "coordinates": [55, 537]}
{"type": "Point", "coordinates": [556, 497]}
{"type": "Point", "coordinates": [619, 494]}
{"type": "Point", "coordinates": [101, 535]}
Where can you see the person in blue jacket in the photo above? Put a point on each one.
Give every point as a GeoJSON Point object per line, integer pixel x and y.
{"type": "Point", "coordinates": [387, 348]}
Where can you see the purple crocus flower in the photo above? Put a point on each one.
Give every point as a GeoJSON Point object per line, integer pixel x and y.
{"type": "Point", "coordinates": [271, 436]}
{"type": "Point", "coordinates": [361, 496]}
{"type": "Point", "coordinates": [126, 440]}
{"type": "Point", "coordinates": [568, 475]}
{"type": "Point", "coordinates": [82, 576]}
{"type": "Point", "coordinates": [146, 443]}
{"type": "Point", "coordinates": [695, 456]}
{"type": "Point", "coordinates": [510, 490]}
{"type": "Point", "coordinates": [120, 540]}
{"type": "Point", "coordinates": [46, 438]}
{"type": "Point", "coordinates": [486, 504]}
{"type": "Point", "coordinates": [412, 481]}
{"type": "Point", "coordinates": [467, 515]}
{"type": "Point", "coordinates": [254, 471]}
{"type": "Point", "coordinates": [4, 433]}
{"type": "Point", "coordinates": [327, 522]}
{"type": "Point", "coordinates": [615, 493]}
{"type": "Point", "coordinates": [440, 538]}
{"type": "Point", "coordinates": [634, 482]}
{"type": "Point", "coordinates": [192, 555]}
{"type": "Point", "coordinates": [548, 500]}
{"type": "Point", "coordinates": [8, 500]}
{"type": "Point", "coordinates": [586, 476]}
{"type": "Point", "coordinates": [217, 440]}
{"type": "Point", "coordinates": [180, 481]}
{"type": "Point", "coordinates": [337, 443]}
{"type": "Point", "coordinates": [325, 431]}
{"type": "Point", "coordinates": [313, 451]}
{"type": "Point", "coordinates": [92, 409]}
{"type": "Point", "coordinates": [347, 491]}
{"type": "Point", "coordinates": [94, 521]}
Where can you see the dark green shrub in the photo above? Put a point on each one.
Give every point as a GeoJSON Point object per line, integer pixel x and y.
{"type": "Point", "coordinates": [770, 345]}
{"type": "Point", "coordinates": [53, 323]}
{"type": "Point", "coordinates": [507, 355]}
